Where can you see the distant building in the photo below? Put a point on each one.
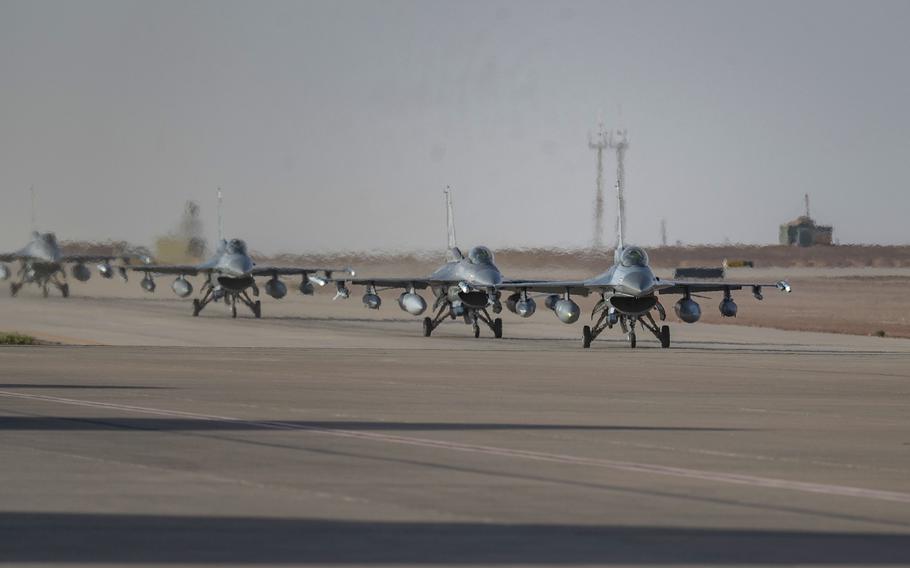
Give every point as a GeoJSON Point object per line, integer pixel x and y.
{"type": "Point", "coordinates": [804, 232]}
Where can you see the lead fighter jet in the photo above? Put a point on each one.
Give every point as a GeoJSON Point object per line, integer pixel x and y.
{"type": "Point", "coordinates": [231, 276]}
{"type": "Point", "coordinates": [629, 292]}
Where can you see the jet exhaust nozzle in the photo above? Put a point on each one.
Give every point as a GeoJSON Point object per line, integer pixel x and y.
{"type": "Point", "coordinates": [728, 308]}
{"type": "Point", "coordinates": [372, 301]}
{"type": "Point", "coordinates": [276, 288]}
{"type": "Point", "coordinates": [182, 287]}
{"type": "Point", "coordinates": [526, 307]}
{"type": "Point", "coordinates": [81, 272]}
{"type": "Point", "coordinates": [688, 310]}
{"type": "Point", "coordinates": [412, 303]}
{"type": "Point", "coordinates": [567, 311]}
{"type": "Point", "coordinates": [148, 283]}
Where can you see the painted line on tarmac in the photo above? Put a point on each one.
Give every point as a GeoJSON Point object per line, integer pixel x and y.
{"type": "Point", "coordinates": [679, 472]}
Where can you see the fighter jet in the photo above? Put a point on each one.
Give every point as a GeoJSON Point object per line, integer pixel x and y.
{"type": "Point", "coordinates": [465, 287]}
{"type": "Point", "coordinates": [230, 275]}
{"type": "Point", "coordinates": [629, 292]}
{"type": "Point", "coordinates": [43, 264]}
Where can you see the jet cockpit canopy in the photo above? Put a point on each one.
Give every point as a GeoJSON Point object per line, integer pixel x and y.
{"type": "Point", "coordinates": [235, 246]}
{"type": "Point", "coordinates": [634, 256]}
{"type": "Point", "coordinates": [481, 255]}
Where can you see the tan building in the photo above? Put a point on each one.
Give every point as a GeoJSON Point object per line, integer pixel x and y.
{"type": "Point", "coordinates": [804, 232]}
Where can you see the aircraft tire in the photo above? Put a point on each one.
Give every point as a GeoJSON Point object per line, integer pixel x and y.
{"type": "Point", "coordinates": [633, 341]}
{"type": "Point", "coordinates": [14, 288]}
{"type": "Point", "coordinates": [257, 309]}
{"type": "Point", "coordinates": [497, 328]}
{"type": "Point", "coordinates": [45, 292]}
{"type": "Point", "coordinates": [427, 327]}
{"type": "Point", "coordinates": [234, 310]}
{"type": "Point", "coordinates": [665, 336]}
{"type": "Point", "coordinates": [476, 330]}
{"type": "Point", "coordinates": [586, 337]}
{"type": "Point", "coordinates": [65, 290]}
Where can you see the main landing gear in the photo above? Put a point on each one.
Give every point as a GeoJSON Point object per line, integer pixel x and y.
{"type": "Point", "coordinates": [627, 323]}
{"type": "Point", "coordinates": [231, 298]}
{"type": "Point", "coordinates": [62, 286]}
{"type": "Point", "coordinates": [473, 316]}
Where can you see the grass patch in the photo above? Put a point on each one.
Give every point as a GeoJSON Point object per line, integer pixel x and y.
{"type": "Point", "coordinates": [17, 339]}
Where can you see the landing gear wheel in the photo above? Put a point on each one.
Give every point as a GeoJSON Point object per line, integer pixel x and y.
{"type": "Point", "coordinates": [14, 288]}
{"type": "Point", "coordinates": [197, 307]}
{"type": "Point", "coordinates": [586, 337]}
{"type": "Point", "coordinates": [233, 309]}
{"type": "Point", "coordinates": [665, 336]}
{"type": "Point", "coordinates": [427, 327]}
{"type": "Point", "coordinates": [497, 328]}
{"type": "Point", "coordinates": [476, 330]}
{"type": "Point", "coordinates": [65, 290]}
{"type": "Point", "coordinates": [632, 340]}
{"type": "Point", "coordinates": [257, 309]}
{"type": "Point", "coordinates": [44, 291]}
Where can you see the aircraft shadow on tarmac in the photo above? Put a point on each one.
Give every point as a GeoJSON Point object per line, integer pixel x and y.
{"type": "Point", "coordinates": [133, 539]}
{"type": "Point", "coordinates": [180, 424]}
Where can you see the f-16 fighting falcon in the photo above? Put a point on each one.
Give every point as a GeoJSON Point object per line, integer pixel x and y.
{"type": "Point", "coordinates": [464, 287]}
{"type": "Point", "coordinates": [629, 292]}
{"type": "Point", "coordinates": [231, 273]}
{"type": "Point", "coordinates": [43, 264]}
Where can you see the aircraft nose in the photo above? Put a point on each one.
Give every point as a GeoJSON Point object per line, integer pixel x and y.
{"type": "Point", "coordinates": [239, 266]}
{"type": "Point", "coordinates": [638, 283]}
{"type": "Point", "coordinates": [487, 278]}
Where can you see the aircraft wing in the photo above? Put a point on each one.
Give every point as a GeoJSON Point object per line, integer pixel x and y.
{"type": "Point", "coordinates": [185, 270]}
{"type": "Point", "coordinates": [421, 283]}
{"type": "Point", "coordinates": [683, 287]}
{"type": "Point", "coordinates": [293, 270]}
{"type": "Point", "coordinates": [576, 287]}
{"type": "Point", "coordinates": [87, 258]}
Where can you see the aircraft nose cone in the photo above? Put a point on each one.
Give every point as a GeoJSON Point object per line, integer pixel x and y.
{"type": "Point", "coordinates": [638, 283]}
{"type": "Point", "coordinates": [239, 266]}
{"type": "Point", "coordinates": [487, 278]}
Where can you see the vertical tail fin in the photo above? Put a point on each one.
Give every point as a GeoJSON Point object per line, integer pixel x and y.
{"type": "Point", "coordinates": [220, 216]}
{"type": "Point", "coordinates": [620, 217]}
{"type": "Point", "coordinates": [34, 215]}
{"type": "Point", "coordinates": [452, 241]}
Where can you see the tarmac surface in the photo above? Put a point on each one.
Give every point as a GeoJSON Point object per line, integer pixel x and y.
{"type": "Point", "coordinates": [326, 434]}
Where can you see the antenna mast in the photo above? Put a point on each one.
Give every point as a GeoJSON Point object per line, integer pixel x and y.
{"type": "Point", "coordinates": [807, 205]}
{"type": "Point", "coordinates": [598, 143]}
{"type": "Point", "coordinates": [451, 239]}
{"type": "Point", "coordinates": [220, 217]}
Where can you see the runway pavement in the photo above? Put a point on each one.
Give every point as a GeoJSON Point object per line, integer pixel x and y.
{"type": "Point", "coordinates": [323, 434]}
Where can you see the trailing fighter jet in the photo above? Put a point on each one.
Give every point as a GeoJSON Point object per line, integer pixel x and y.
{"type": "Point", "coordinates": [231, 276]}
{"type": "Point", "coordinates": [43, 264]}
{"type": "Point", "coordinates": [629, 292]}
{"type": "Point", "coordinates": [464, 287]}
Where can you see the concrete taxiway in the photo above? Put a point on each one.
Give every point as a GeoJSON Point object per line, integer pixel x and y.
{"type": "Point", "coordinates": [322, 435]}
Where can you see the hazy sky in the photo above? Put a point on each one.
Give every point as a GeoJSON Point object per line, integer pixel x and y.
{"type": "Point", "coordinates": [335, 125]}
